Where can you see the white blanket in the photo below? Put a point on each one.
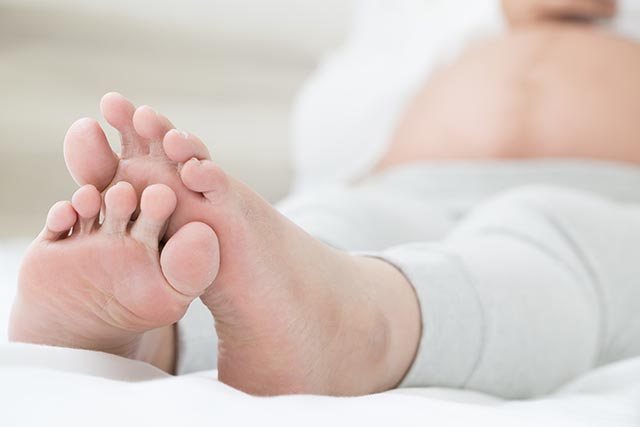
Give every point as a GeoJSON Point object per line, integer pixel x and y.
{"type": "Point", "coordinates": [48, 386]}
{"type": "Point", "coordinates": [43, 386]}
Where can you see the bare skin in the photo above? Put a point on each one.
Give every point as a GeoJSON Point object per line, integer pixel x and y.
{"type": "Point", "coordinates": [292, 314]}
{"type": "Point", "coordinates": [547, 89]}
{"type": "Point", "coordinates": [105, 286]}
{"type": "Point", "coordinates": [523, 13]}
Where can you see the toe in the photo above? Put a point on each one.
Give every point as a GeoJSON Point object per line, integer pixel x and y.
{"type": "Point", "coordinates": [204, 177]}
{"type": "Point", "coordinates": [120, 203]}
{"type": "Point", "coordinates": [182, 146]}
{"type": "Point", "coordinates": [191, 258]}
{"type": "Point", "coordinates": [153, 126]}
{"type": "Point", "coordinates": [156, 206]}
{"type": "Point", "coordinates": [86, 202]}
{"type": "Point", "coordinates": [88, 155]}
{"type": "Point", "coordinates": [118, 112]}
{"type": "Point", "coordinates": [60, 219]}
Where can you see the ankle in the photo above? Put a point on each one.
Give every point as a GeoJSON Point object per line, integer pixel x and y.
{"type": "Point", "coordinates": [381, 333]}
{"type": "Point", "coordinates": [395, 333]}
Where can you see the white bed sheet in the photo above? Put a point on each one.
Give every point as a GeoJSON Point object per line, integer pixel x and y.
{"type": "Point", "coordinates": [51, 386]}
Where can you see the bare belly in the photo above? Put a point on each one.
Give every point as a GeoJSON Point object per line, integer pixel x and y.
{"type": "Point", "coordinates": [552, 91]}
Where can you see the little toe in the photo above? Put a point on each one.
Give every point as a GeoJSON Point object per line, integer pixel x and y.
{"type": "Point", "coordinates": [205, 177]}
{"type": "Point", "coordinates": [156, 206]}
{"type": "Point", "coordinates": [120, 203]}
{"type": "Point", "coordinates": [86, 202]}
{"type": "Point", "coordinates": [182, 146]}
{"type": "Point", "coordinates": [191, 258]}
{"type": "Point", "coordinates": [88, 155]}
{"type": "Point", "coordinates": [118, 111]}
{"type": "Point", "coordinates": [153, 126]}
{"type": "Point", "coordinates": [60, 219]}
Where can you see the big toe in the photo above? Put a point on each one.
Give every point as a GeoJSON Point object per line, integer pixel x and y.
{"type": "Point", "coordinates": [88, 155]}
{"type": "Point", "coordinates": [191, 258]}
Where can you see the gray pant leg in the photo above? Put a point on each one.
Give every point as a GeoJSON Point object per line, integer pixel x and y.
{"type": "Point", "coordinates": [371, 219]}
{"type": "Point", "coordinates": [533, 289]}
{"type": "Point", "coordinates": [347, 218]}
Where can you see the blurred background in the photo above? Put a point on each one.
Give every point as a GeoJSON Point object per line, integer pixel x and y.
{"type": "Point", "coordinates": [226, 70]}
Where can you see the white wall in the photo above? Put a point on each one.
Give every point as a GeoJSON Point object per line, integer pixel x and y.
{"type": "Point", "coordinates": [302, 27]}
{"type": "Point", "coordinates": [227, 70]}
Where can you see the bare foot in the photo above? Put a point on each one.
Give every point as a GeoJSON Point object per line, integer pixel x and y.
{"type": "Point", "coordinates": [143, 160]}
{"type": "Point", "coordinates": [105, 286]}
{"type": "Point", "coordinates": [292, 314]}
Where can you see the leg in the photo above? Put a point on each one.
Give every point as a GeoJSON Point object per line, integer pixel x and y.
{"type": "Point", "coordinates": [349, 219]}
{"type": "Point", "coordinates": [532, 290]}
{"type": "Point", "coordinates": [358, 219]}
{"type": "Point", "coordinates": [479, 316]}
{"type": "Point", "coordinates": [269, 262]}
{"type": "Point", "coordinates": [323, 321]}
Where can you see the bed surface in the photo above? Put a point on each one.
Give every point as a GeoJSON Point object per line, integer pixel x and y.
{"type": "Point", "coordinates": [50, 386]}
{"type": "Point", "coordinates": [46, 386]}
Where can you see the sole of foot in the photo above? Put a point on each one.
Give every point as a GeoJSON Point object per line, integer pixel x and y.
{"type": "Point", "coordinates": [106, 286]}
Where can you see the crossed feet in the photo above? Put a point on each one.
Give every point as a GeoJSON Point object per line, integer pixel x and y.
{"type": "Point", "coordinates": [292, 314]}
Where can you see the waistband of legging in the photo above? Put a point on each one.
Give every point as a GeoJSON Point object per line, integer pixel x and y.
{"type": "Point", "coordinates": [478, 179]}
